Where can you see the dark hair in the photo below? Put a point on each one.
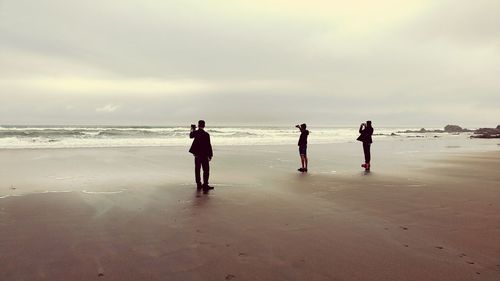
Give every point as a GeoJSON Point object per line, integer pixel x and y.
{"type": "Point", "coordinates": [201, 123]}
{"type": "Point", "coordinates": [369, 123]}
{"type": "Point", "coordinates": [303, 126]}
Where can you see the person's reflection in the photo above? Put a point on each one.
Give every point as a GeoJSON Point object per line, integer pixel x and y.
{"type": "Point", "coordinates": [200, 199]}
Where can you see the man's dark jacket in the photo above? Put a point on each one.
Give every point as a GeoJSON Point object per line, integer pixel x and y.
{"type": "Point", "coordinates": [303, 137]}
{"type": "Point", "coordinates": [201, 146]}
{"type": "Point", "coordinates": [366, 134]}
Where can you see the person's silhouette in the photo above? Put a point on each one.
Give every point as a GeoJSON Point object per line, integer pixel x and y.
{"type": "Point", "coordinates": [366, 131]}
{"type": "Point", "coordinates": [303, 147]}
{"type": "Point", "coordinates": [202, 151]}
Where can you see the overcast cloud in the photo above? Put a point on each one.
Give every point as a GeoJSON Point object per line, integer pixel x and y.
{"type": "Point", "coordinates": [399, 63]}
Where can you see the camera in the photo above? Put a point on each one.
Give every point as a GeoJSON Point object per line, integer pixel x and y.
{"type": "Point", "coordinates": [193, 126]}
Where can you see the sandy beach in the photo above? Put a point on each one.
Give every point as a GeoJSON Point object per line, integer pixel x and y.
{"type": "Point", "coordinates": [428, 213]}
{"type": "Point", "coordinates": [103, 102]}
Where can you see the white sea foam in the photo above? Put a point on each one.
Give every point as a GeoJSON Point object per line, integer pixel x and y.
{"type": "Point", "coordinates": [104, 192]}
{"type": "Point", "coordinates": [40, 192]}
{"type": "Point", "coordinates": [73, 137]}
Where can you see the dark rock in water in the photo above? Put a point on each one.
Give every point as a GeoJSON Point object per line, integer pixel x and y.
{"type": "Point", "coordinates": [394, 134]}
{"type": "Point", "coordinates": [453, 129]}
{"type": "Point", "coordinates": [422, 130]}
{"type": "Point", "coordinates": [447, 129]}
{"type": "Point", "coordinates": [490, 131]}
{"type": "Point", "coordinates": [456, 129]}
{"type": "Point", "coordinates": [487, 133]}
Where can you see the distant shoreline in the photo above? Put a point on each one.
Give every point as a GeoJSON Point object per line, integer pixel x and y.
{"type": "Point", "coordinates": [93, 137]}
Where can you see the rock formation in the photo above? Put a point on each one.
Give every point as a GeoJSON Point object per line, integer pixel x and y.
{"type": "Point", "coordinates": [447, 129]}
{"type": "Point", "coordinates": [487, 133]}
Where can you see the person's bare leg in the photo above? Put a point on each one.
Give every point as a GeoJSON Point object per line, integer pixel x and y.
{"type": "Point", "coordinates": [305, 160]}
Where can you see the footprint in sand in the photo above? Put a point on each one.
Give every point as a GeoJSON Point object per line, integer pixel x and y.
{"type": "Point", "coordinates": [242, 254]}
{"type": "Point", "coordinates": [230, 276]}
{"type": "Point", "coordinates": [406, 245]}
{"type": "Point", "coordinates": [439, 247]}
{"type": "Point", "coordinates": [462, 255]}
{"type": "Point", "coordinates": [470, 262]}
{"type": "Point", "coordinates": [404, 228]}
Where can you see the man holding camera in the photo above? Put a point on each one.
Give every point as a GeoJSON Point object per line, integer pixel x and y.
{"type": "Point", "coordinates": [202, 151]}
{"type": "Point", "coordinates": [303, 147]}
{"type": "Point", "coordinates": [366, 132]}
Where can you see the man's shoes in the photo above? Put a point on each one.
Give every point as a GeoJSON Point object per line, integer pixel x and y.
{"type": "Point", "coordinates": [300, 169]}
{"type": "Point", "coordinates": [207, 187]}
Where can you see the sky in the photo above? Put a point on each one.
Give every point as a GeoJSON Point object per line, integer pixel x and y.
{"type": "Point", "coordinates": [323, 62]}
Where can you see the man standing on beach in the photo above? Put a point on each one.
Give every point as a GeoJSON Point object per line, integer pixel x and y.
{"type": "Point", "coordinates": [366, 132]}
{"type": "Point", "coordinates": [202, 151]}
{"type": "Point", "coordinates": [303, 146]}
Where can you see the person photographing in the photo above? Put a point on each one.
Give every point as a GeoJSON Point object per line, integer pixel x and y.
{"type": "Point", "coordinates": [366, 132]}
{"type": "Point", "coordinates": [202, 151]}
{"type": "Point", "coordinates": [303, 146]}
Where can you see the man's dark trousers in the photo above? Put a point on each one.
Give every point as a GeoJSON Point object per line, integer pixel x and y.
{"type": "Point", "coordinates": [366, 150]}
{"type": "Point", "coordinates": [199, 162]}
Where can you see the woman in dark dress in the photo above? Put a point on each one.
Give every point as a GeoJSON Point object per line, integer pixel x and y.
{"type": "Point", "coordinates": [366, 131]}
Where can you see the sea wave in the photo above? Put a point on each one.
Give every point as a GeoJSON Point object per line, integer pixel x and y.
{"type": "Point", "coordinates": [40, 133]}
{"type": "Point", "coordinates": [69, 137]}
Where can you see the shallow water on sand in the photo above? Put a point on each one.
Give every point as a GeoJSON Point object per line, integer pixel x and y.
{"type": "Point", "coordinates": [111, 170]}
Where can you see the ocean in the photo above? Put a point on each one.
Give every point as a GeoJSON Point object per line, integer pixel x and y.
{"type": "Point", "coordinates": [12, 137]}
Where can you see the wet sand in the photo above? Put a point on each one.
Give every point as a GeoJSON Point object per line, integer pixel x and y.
{"type": "Point", "coordinates": [134, 214]}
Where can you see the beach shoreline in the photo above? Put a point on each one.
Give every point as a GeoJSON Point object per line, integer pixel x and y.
{"type": "Point", "coordinates": [134, 214]}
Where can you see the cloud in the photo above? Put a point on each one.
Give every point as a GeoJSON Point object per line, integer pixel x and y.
{"type": "Point", "coordinates": [459, 22]}
{"type": "Point", "coordinates": [91, 86]}
{"type": "Point", "coordinates": [108, 108]}
{"type": "Point", "coordinates": [249, 61]}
